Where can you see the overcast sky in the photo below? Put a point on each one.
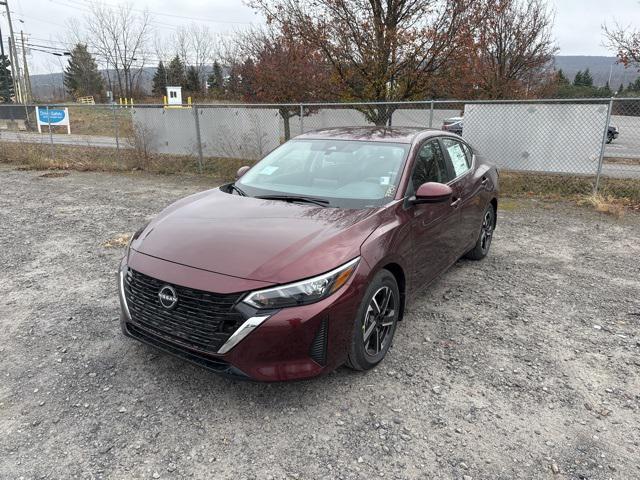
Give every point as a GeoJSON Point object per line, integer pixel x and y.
{"type": "Point", "coordinates": [577, 22]}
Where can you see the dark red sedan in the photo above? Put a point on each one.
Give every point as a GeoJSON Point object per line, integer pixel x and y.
{"type": "Point", "coordinates": [309, 260]}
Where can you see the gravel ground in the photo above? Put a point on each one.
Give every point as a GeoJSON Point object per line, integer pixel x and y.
{"type": "Point", "coordinates": [525, 365]}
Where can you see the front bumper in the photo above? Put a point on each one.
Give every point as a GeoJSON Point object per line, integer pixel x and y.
{"type": "Point", "coordinates": [289, 344]}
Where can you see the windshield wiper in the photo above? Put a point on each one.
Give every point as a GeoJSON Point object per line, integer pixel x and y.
{"type": "Point", "coordinates": [237, 189]}
{"type": "Point", "coordinates": [295, 198]}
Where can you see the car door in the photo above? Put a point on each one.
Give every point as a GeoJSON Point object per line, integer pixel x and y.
{"type": "Point", "coordinates": [467, 184]}
{"type": "Point", "coordinates": [433, 225]}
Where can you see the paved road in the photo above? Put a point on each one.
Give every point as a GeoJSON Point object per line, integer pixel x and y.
{"type": "Point", "coordinates": [627, 145]}
{"type": "Point", "coordinates": [621, 171]}
{"type": "Point", "coordinates": [60, 139]}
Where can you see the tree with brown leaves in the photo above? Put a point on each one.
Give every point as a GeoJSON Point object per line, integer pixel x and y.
{"type": "Point", "coordinates": [625, 42]}
{"type": "Point", "coordinates": [514, 49]}
{"type": "Point", "coordinates": [275, 68]}
{"type": "Point", "coordinates": [378, 50]}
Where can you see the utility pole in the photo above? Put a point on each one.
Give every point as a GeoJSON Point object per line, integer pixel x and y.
{"type": "Point", "coordinates": [27, 79]}
{"type": "Point", "coordinates": [12, 59]}
{"type": "Point", "coordinates": [5, 80]}
{"type": "Point", "coordinates": [15, 51]}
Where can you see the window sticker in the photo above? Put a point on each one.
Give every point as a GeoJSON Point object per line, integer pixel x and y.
{"type": "Point", "coordinates": [385, 180]}
{"type": "Point", "coordinates": [458, 159]}
{"type": "Point", "coordinates": [390, 191]}
{"type": "Point", "coordinates": [268, 170]}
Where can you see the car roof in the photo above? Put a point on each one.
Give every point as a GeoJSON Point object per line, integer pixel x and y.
{"type": "Point", "coordinates": [371, 134]}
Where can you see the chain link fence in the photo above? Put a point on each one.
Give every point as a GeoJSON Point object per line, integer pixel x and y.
{"type": "Point", "coordinates": [584, 141]}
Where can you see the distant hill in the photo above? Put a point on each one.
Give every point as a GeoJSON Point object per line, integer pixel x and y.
{"type": "Point", "coordinates": [49, 86]}
{"type": "Point", "coordinates": [600, 68]}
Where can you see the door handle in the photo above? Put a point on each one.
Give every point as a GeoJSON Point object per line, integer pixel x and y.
{"type": "Point", "coordinates": [456, 202]}
{"type": "Point", "coordinates": [484, 181]}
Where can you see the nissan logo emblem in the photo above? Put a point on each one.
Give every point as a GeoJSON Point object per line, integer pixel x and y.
{"type": "Point", "coordinates": [168, 297]}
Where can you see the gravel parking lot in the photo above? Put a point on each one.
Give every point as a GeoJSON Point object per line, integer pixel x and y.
{"type": "Point", "coordinates": [525, 365]}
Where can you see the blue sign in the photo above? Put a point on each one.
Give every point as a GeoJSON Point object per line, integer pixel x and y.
{"type": "Point", "coordinates": [51, 116]}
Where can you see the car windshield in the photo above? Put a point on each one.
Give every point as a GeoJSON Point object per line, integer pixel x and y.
{"type": "Point", "coordinates": [343, 173]}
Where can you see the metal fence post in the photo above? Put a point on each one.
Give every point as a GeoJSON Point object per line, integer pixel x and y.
{"type": "Point", "coordinates": [198, 137]}
{"type": "Point", "coordinates": [602, 147]}
{"type": "Point", "coordinates": [53, 151]}
{"type": "Point", "coordinates": [301, 119]}
{"type": "Point", "coordinates": [431, 115]}
{"type": "Point", "coordinates": [115, 130]}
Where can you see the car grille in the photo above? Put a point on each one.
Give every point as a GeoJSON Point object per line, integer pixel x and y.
{"type": "Point", "coordinates": [217, 365]}
{"type": "Point", "coordinates": [200, 320]}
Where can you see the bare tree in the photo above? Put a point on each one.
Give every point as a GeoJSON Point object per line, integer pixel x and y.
{"type": "Point", "coordinates": [203, 46]}
{"type": "Point", "coordinates": [196, 45]}
{"type": "Point", "coordinates": [625, 42]}
{"type": "Point", "coordinates": [119, 36]}
{"type": "Point", "coordinates": [514, 48]}
{"type": "Point", "coordinates": [378, 49]}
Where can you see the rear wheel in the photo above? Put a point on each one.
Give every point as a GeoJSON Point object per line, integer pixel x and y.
{"type": "Point", "coordinates": [483, 243]}
{"type": "Point", "coordinates": [375, 322]}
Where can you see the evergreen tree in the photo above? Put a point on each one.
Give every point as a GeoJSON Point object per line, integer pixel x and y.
{"type": "Point", "coordinates": [81, 77]}
{"type": "Point", "coordinates": [232, 85]}
{"type": "Point", "coordinates": [587, 79]}
{"type": "Point", "coordinates": [6, 80]}
{"type": "Point", "coordinates": [561, 78]}
{"type": "Point", "coordinates": [620, 89]}
{"type": "Point", "coordinates": [634, 86]}
{"type": "Point", "coordinates": [577, 81]}
{"type": "Point", "coordinates": [175, 73]}
{"type": "Point", "coordinates": [247, 78]}
{"type": "Point", "coordinates": [192, 80]}
{"type": "Point", "coordinates": [216, 79]}
{"type": "Point", "coordinates": [605, 91]}
{"type": "Point", "coordinates": [160, 80]}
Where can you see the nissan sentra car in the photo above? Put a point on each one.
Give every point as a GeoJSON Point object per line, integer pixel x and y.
{"type": "Point", "coordinates": [309, 259]}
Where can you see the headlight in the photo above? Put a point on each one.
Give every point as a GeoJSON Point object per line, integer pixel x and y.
{"type": "Point", "coordinates": [135, 236]}
{"type": "Point", "coordinates": [304, 292]}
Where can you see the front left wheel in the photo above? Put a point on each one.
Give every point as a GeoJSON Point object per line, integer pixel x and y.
{"type": "Point", "coordinates": [375, 322]}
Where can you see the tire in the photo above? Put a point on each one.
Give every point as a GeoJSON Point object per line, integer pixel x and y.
{"type": "Point", "coordinates": [481, 248]}
{"type": "Point", "coordinates": [378, 328]}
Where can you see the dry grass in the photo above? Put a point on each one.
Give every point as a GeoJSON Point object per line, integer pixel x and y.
{"type": "Point", "coordinates": [625, 192]}
{"type": "Point", "coordinates": [600, 203]}
{"type": "Point", "coordinates": [118, 241]}
{"type": "Point", "coordinates": [92, 120]}
{"type": "Point", "coordinates": [39, 156]}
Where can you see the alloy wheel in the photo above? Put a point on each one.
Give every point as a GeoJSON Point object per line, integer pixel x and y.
{"type": "Point", "coordinates": [378, 321]}
{"type": "Point", "coordinates": [487, 230]}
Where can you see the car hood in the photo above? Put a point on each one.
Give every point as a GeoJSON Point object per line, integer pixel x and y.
{"type": "Point", "coordinates": [266, 240]}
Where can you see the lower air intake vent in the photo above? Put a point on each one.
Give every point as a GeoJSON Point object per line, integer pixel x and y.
{"type": "Point", "coordinates": [319, 346]}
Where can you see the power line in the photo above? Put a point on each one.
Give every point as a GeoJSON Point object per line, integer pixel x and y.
{"type": "Point", "coordinates": [171, 15]}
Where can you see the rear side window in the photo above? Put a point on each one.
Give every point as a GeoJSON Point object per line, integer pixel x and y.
{"type": "Point", "coordinates": [430, 165]}
{"type": "Point", "coordinates": [459, 154]}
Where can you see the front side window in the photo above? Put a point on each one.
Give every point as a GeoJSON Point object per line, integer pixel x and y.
{"type": "Point", "coordinates": [459, 155]}
{"type": "Point", "coordinates": [430, 166]}
{"type": "Point", "coordinates": [347, 174]}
